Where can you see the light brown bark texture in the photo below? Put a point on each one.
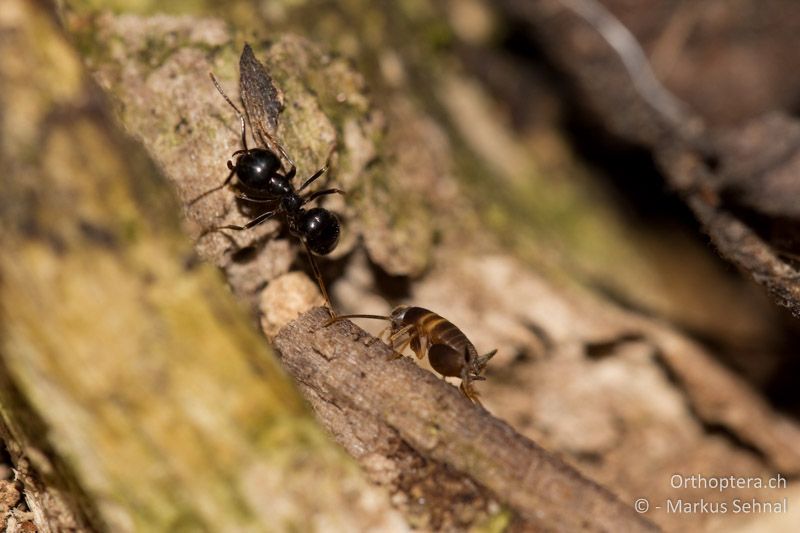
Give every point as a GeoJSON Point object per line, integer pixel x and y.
{"type": "Point", "coordinates": [448, 208]}
{"type": "Point", "coordinates": [136, 394]}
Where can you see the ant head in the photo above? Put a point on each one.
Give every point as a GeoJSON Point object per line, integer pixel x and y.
{"type": "Point", "coordinates": [320, 229]}
{"type": "Point", "coordinates": [256, 169]}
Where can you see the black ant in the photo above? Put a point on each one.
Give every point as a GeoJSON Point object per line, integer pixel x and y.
{"type": "Point", "coordinates": [259, 176]}
{"type": "Point", "coordinates": [449, 350]}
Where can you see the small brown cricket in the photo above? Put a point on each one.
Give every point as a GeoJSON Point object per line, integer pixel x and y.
{"type": "Point", "coordinates": [450, 352]}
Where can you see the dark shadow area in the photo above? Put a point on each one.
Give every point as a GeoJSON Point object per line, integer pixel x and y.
{"type": "Point", "coordinates": [538, 94]}
{"type": "Point", "coordinates": [5, 463]}
{"type": "Point", "coordinates": [396, 288]}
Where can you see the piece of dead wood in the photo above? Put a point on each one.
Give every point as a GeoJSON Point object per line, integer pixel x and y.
{"type": "Point", "coordinates": [49, 506]}
{"type": "Point", "coordinates": [342, 368]}
{"type": "Point", "coordinates": [15, 513]}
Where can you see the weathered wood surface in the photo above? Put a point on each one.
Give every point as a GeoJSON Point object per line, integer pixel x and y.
{"type": "Point", "coordinates": [369, 402]}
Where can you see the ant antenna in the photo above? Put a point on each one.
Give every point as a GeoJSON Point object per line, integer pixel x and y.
{"type": "Point", "coordinates": [244, 143]}
{"type": "Point", "coordinates": [271, 142]}
{"type": "Point", "coordinates": [241, 116]}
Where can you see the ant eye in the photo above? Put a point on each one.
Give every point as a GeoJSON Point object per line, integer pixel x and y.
{"type": "Point", "coordinates": [321, 230]}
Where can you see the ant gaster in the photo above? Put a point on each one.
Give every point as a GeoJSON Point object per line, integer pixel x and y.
{"type": "Point", "coordinates": [449, 350]}
{"type": "Point", "coordinates": [260, 180]}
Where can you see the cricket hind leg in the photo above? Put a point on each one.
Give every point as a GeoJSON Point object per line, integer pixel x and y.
{"type": "Point", "coordinates": [468, 390]}
{"type": "Point", "coordinates": [419, 341]}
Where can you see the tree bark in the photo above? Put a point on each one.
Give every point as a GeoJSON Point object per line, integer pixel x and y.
{"type": "Point", "coordinates": [136, 393]}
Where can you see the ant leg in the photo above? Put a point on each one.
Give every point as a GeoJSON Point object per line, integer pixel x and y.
{"type": "Point", "coordinates": [319, 172]}
{"type": "Point", "coordinates": [255, 222]}
{"type": "Point", "coordinates": [243, 196]}
{"type": "Point", "coordinates": [320, 282]}
{"type": "Point", "coordinates": [215, 189]}
{"type": "Point", "coordinates": [311, 180]}
{"type": "Point", "coordinates": [292, 171]}
{"type": "Point", "coordinates": [314, 195]}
